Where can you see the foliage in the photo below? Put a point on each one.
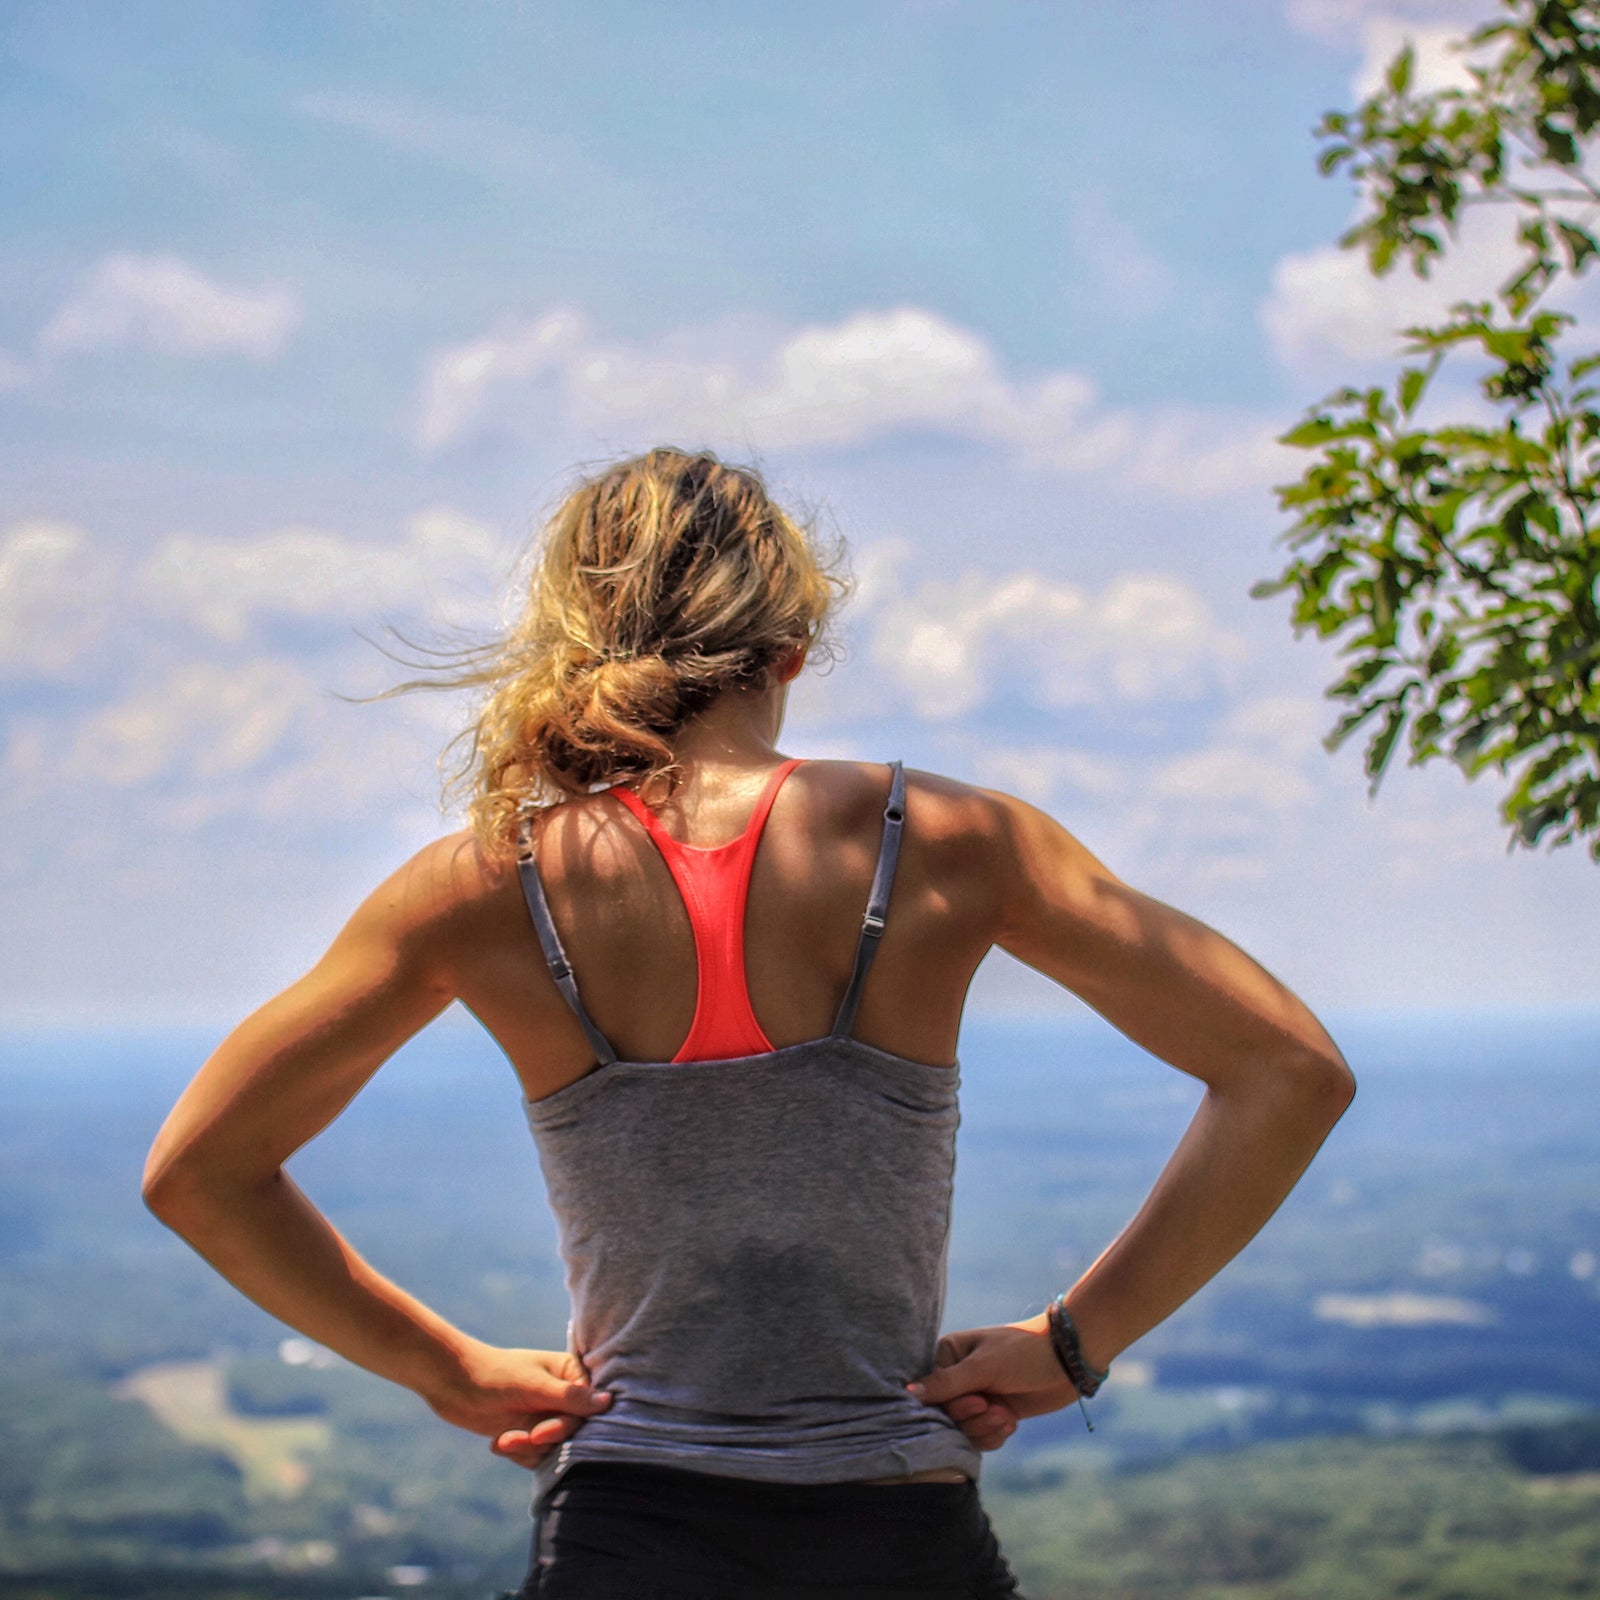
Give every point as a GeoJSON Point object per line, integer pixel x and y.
{"type": "Point", "coordinates": [1433, 1519]}
{"type": "Point", "coordinates": [1569, 1447]}
{"type": "Point", "coordinates": [1459, 564]}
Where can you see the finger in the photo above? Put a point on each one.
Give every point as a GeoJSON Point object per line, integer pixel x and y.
{"type": "Point", "coordinates": [994, 1423]}
{"type": "Point", "coordinates": [953, 1347]}
{"type": "Point", "coordinates": [575, 1399]}
{"type": "Point", "coordinates": [541, 1434]}
{"type": "Point", "coordinates": [582, 1401]}
{"type": "Point", "coordinates": [987, 1419]}
{"type": "Point", "coordinates": [946, 1383]}
{"type": "Point", "coordinates": [547, 1431]}
{"type": "Point", "coordinates": [965, 1407]}
{"type": "Point", "coordinates": [526, 1458]}
{"type": "Point", "coordinates": [993, 1441]}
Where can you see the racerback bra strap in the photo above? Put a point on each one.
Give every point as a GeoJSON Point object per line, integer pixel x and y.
{"type": "Point", "coordinates": [713, 882]}
{"type": "Point", "coordinates": [894, 817]}
{"type": "Point", "coordinates": [555, 956]}
{"type": "Point", "coordinates": [872, 923]}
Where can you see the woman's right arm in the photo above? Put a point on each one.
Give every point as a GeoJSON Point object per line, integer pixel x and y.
{"type": "Point", "coordinates": [1275, 1084]}
{"type": "Point", "coordinates": [215, 1174]}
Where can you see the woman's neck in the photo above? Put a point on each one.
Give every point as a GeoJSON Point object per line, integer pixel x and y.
{"type": "Point", "coordinates": [738, 730]}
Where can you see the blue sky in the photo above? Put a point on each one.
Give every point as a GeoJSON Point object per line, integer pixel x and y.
{"type": "Point", "coordinates": [309, 313]}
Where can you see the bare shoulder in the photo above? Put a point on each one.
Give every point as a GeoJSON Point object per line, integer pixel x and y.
{"type": "Point", "coordinates": [445, 889]}
{"type": "Point", "coordinates": [1028, 858]}
{"type": "Point", "coordinates": [961, 839]}
{"type": "Point", "coordinates": [943, 807]}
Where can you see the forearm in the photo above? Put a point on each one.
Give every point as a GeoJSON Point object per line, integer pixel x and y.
{"type": "Point", "coordinates": [1241, 1155]}
{"type": "Point", "coordinates": [267, 1239]}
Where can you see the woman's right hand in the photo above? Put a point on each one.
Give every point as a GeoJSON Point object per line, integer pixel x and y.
{"type": "Point", "coordinates": [526, 1401]}
{"type": "Point", "coordinates": [986, 1379]}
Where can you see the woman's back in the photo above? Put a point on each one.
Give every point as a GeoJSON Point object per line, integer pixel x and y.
{"type": "Point", "coordinates": [754, 1229]}
{"type": "Point", "coordinates": [622, 920]}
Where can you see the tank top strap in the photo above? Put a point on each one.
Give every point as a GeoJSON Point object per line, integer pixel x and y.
{"type": "Point", "coordinates": [550, 942]}
{"type": "Point", "coordinates": [872, 923]}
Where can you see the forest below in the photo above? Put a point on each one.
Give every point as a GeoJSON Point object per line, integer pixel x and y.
{"type": "Point", "coordinates": [1321, 1422]}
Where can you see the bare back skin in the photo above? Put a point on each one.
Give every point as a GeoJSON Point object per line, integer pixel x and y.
{"type": "Point", "coordinates": [629, 940]}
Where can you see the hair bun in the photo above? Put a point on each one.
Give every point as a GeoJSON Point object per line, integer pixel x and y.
{"type": "Point", "coordinates": [674, 550]}
{"type": "Point", "coordinates": [619, 691]}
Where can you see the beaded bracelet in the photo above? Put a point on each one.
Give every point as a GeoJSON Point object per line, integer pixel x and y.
{"type": "Point", "coordinates": [1069, 1352]}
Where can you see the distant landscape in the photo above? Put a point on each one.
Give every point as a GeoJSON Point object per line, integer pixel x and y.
{"type": "Point", "coordinates": [1395, 1391]}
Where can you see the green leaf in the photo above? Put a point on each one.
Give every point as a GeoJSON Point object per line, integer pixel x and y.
{"type": "Point", "coordinates": [1360, 677]}
{"type": "Point", "coordinates": [1412, 382]}
{"type": "Point", "coordinates": [1382, 746]}
{"type": "Point", "coordinates": [1398, 77]}
{"type": "Point", "coordinates": [1385, 601]}
{"type": "Point", "coordinates": [1538, 820]}
{"type": "Point", "coordinates": [1580, 245]}
{"type": "Point", "coordinates": [1268, 587]}
{"type": "Point", "coordinates": [1348, 723]}
{"type": "Point", "coordinates": [1467, 747]}
{"type": "Point", "coordinates": [1559, 145]}
{"type": "Point", "coordinates": [1315, 431]}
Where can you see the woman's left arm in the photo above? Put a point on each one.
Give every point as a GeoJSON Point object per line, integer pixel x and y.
{"type": "Point", "coordinates": [215, 1173]}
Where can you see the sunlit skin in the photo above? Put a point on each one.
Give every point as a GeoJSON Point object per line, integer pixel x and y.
{"type": "Point", "coordinates": [978, 869]}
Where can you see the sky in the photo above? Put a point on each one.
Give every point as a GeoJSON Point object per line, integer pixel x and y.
{"type": "Point", "coordinates": [310, 315]}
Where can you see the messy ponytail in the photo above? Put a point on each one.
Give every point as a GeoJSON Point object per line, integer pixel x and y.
{"type": "Point", "coordinates": [659, 583]}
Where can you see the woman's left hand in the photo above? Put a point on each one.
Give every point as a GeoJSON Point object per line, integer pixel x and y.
{"type": "Point", "coordinates": [986, 1379]}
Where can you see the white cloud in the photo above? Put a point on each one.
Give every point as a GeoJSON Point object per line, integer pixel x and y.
{"type": "Point", "coordinates": [263, 739]}
{"type": "Point", "coordinates": [1232, 773]}
{"type": "Point", "coordinates": [487, 147]}
{"type": "Point", "coordinates": [1338, 21]}
{"type": "Point", "coordinates": [1293, 725]}
{"type": "Point", "coordinates": [446, 564]}
{"type": "Point", "coordinates": [1129, 279]}
{"type": "Point", "coordinates": [162, 303]}
{"type": "Point", "coordinates": [827, 385]}
{"type": "Point", "coordinates": [64, 599]}
{"type": "Point", "coordinates": [1039, 773]}
{"type": "Point", "coordinates": [201, 723]}
{"type": "Point", "coordinates": [54, 595]}
{"type": "Point", "coordinates": [947, 645]}
{"type": "Point", "coordinates": [456, 139]}
{"type": "Point", "coordinates": [1325, 304]}
{"type": "Point", "coordinates": [194, 707]}
{"type": "Point", "coordinates": [463, 381]}
{"type": "Point", "coordinates": [1436, 62]}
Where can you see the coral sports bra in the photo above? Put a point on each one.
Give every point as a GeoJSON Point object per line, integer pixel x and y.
{"type": "Point", "coordinates": [714, 882]}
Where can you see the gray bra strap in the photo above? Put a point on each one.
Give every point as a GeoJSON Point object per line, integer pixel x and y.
{"type": "Point", "coordinates": [556, 957]}
{"type": "Point", "coordinates": [894, 816]}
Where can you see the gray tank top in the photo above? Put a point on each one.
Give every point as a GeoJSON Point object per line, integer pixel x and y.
{"type": "Point", "coordinates": [755, 1248]}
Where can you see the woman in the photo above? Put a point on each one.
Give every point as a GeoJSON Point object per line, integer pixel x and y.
{"type": "Point", "coordinates": [731, 985]}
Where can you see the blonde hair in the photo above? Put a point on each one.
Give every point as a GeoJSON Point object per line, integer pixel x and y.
{"type": "Point", "coordinates": [659, 583]}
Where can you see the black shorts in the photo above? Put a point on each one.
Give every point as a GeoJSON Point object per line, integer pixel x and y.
{"type": "Point", "coordinates": [624, 1532]}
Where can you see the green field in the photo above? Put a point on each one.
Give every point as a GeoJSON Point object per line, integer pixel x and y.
{"type": "Point", "coordinates": [182, 1491]}
{"type": "Point", "coordinates": [1440, 1519]}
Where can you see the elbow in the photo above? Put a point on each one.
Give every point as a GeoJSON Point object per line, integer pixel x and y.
{"type": "Point", "coordinates": [183, 1189]}
{"type": "Point", "coordinates": [1328, 1084]}
{"type": "Point", "coordinates": [1309, 1088]}
{"type": "Point", "coordinates": [167, 1190]}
